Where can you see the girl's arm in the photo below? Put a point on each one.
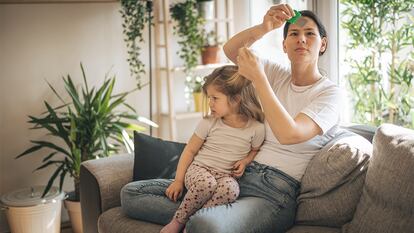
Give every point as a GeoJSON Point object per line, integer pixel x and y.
{"type": "Point", "coordinates": [240, 166]}
{"type": "Point", "coordinates": [190, 150]}
{"type": "Point", "coordinates": [175, 189]}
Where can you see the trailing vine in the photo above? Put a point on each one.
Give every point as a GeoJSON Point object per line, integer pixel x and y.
{"type": "Point", "coordinates": [135, 16]}
{"type": "Point", "coordinates": [188, 28]}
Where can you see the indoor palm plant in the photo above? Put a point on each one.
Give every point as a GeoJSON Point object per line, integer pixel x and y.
{"type": "Point", "coordinates": [89, 126]}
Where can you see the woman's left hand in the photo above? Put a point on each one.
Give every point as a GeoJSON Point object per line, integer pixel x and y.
{"type": "Point", "coordinates": [249, 65]}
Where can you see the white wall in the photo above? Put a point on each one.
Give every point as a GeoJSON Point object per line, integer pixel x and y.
{"type": "Point", "coordinates": [41, 42]}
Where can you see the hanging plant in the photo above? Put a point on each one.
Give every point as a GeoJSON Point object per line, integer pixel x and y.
{"type": "Point", "coordinates": [134, 14]}
{"type": "Point", "coordinates": [188, 28]}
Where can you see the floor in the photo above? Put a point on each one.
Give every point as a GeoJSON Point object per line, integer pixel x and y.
{"type": "Point", "coordinates": [65, 227]}
{"type": "Point", "coordinates": [66, 230]}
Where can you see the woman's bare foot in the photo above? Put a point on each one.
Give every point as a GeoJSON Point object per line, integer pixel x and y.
{"type": "Point", "coordinates": [173, 227]}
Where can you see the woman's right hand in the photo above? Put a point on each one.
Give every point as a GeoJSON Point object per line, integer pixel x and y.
{"type": "Point", "coordinates": [276, 16]}
{"type": "Point", "coordinates": [175, 190]}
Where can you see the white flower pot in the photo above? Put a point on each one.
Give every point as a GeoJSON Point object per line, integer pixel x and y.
{"type": "Point", "coordinates": [28, 212]}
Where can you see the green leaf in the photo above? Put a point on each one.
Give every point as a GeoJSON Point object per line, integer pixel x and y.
{"type": "Point", "coordinates": [52, 179]}
{"type": "Point", "coordinates": [51, 146]}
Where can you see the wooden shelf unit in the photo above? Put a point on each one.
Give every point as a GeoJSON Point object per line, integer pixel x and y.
{"type": "Point", "coordinates": [164, 67]}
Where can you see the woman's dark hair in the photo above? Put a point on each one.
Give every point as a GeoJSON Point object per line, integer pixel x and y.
{"type": "Point", "coordinates": [311, 15]}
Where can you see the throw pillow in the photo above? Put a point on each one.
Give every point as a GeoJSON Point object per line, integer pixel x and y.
{"type": "Point", "coordinates": [154, 157]}
{"type": "Point", "coordinates": [387, 201]}
{"type": "Point", "coordinates": [333, 180]}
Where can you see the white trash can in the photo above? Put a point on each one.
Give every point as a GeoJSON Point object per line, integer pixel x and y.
{"type": "Point", "coordinates": [28, 212]}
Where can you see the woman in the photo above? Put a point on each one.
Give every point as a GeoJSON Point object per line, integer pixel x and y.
{"type": "Point", "coordinates": [301, 113]}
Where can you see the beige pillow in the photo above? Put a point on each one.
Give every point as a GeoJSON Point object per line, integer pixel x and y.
{"type": "Point", "coordinates": [387, 202]}
{"type": "Point", "coordinates": [332, 184]}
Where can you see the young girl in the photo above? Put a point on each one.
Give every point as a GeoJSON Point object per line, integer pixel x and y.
{"type": "Point", "coordinates": [223, 144]}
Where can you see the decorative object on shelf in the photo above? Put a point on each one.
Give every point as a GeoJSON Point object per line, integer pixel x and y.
{"type": "Point", "coordinates": [206, 9]}
{"type": "Point", "coordinates": [84, 128]}
{"type": "Point", "coordinates": [211, 48]}
{"type": "Point", "coordinates": [188, 28]}
{"type": "Point", "coordinates": [195, 86]}
{"type": "Point", "coordinates": [135, 18]}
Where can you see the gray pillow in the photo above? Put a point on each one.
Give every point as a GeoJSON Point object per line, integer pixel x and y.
{"type": "Point", "coordinates": [332, 183]}
{"type": "Point", "coordinates": [387, 202]}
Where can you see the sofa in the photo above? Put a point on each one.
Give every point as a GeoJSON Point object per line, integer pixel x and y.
{"type": "Point", "coordinates": [362, 180]}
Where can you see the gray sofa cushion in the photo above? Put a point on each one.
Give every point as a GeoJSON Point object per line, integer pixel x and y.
{"type": "Point", "coordinates": [154, 157]}
{"type": "Point", "coordinates": [114, 221]}
{"type": "Point", "coordinates": [332, 183]}
{"type": "Point", "coordinates": [387, 202]}
{"type": "Point", "coordinates": [313, 229]}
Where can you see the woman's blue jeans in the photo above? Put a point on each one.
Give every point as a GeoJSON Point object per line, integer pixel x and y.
{"type": "Point", "coordinates": [267, 203]}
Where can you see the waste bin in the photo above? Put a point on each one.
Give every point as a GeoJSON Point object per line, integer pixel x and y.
{"type": "Point", "coordinates": [28, 212]}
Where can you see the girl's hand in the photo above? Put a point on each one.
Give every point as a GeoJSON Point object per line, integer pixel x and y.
{"type": "Point", "coordinates": [238, 168]}
{"type": "Point", "coordinates": [249, 65]}
{"type": "Point", "coordinates": [175, 190]}
{"type": "Point", "coordinates": [276, 16]}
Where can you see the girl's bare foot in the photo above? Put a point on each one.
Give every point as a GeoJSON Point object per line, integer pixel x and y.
{"type": "Point", "coordinates": [173, 227]}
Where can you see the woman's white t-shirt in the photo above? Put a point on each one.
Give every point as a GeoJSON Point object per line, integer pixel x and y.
{"type": "Point", "coordinates": [320, 101]}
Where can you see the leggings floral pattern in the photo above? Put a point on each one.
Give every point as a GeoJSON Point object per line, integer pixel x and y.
{"type": "Point", "coordinates": [206, 188]}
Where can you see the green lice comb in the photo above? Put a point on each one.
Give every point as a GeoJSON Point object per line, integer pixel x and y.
{"type": "Point", "coordinates": [294, 18]}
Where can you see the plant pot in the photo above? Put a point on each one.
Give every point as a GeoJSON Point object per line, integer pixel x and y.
{"type": "Point", "coordinates": [199, 104]}
{"type": "Point", "coordinates": [206, 9]}
{"type": "Point", "coordinates": [75, 215]}
{"type": "Point", "coordinates": [210, 55]}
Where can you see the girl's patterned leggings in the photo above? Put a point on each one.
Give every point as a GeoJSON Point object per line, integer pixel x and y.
{"type": "Point", "coordinates": [205, 188]}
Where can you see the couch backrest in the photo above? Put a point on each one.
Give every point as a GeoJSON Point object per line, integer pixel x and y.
{"type": "Point", "coordinates": [387, 201]}
{"type": "Point", "coordinates": [332, 184]}
{"type": "Point", "coordinates": [365, 131]}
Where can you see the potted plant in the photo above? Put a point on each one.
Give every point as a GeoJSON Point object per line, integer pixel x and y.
{"type": "Point", "coordinates": [84, 127]}
{"type": "Point", "coordinates": [135, 15]}
{"type": "Point", "coordinates": [206, 8]}
{"type": "Point", "coordinates": [188, 28]}
{"type": "Point", "coordinates": [211, 48]}
{"type": "Point", "coordinates": [195, 84]}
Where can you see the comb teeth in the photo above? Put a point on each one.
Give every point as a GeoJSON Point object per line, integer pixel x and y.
{"type": "Point", "coordinates": [294, 18]}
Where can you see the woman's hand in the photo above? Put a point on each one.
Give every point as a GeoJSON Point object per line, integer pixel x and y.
{"type": "Point", "coordinates": [249, 65]}
{"type": "Point", "coordinates": [175, 190]}
{"type": "Point", "coordinates": [276, 16]}
{"type": "Point", "coordinates": [239, 167]}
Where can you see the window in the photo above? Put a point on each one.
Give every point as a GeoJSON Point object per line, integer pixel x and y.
{"type": "Point", "coordinates": [270, 46]}
{"type": "Point", "coordinates": [376, 60]}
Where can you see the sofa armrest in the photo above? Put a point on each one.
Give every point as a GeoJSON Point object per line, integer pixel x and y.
{"type": "Point", "coordinates": [100, 186]}
{"type": "Point", "coordinates": [365, 131]}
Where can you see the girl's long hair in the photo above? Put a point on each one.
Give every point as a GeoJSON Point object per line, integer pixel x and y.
{"type": "Point", "coordinates": [233, 85]}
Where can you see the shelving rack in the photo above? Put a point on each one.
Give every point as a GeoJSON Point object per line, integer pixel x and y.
{"type": "Point", "coordinates": [164, 67]}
